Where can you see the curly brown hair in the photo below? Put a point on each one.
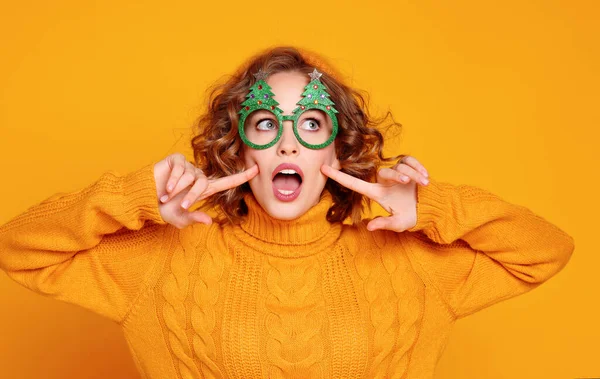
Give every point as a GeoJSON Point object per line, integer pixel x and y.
{"type": "Point", "coordinates": [217, 146]}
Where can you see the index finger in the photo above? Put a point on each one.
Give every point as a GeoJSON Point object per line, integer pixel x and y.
{"type": "Point", "coordinates": [231, 181]}
{"type": "Point", "coordinates": [349, 181]}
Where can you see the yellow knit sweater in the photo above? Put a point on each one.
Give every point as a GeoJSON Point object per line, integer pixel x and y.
{"type": "Point", "coordinates": [280, 299]}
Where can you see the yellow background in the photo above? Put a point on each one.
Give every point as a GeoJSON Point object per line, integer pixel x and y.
{"type": "Point", "coordinates": [499, 94]}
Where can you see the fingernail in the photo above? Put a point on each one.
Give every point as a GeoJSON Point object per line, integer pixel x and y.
{"type": "Point", "coordinates": [404, 177]}
{"type": "Point", "coordinates": [424, 181]}
{"type": "Point", "coordinates": [170, 188]}
{"type": "Point", "coordinates": [164, 198]}
{"type": "Point", "coordinates": [185, 204]}
{"type": "Point", "coordinates": [426, 173]}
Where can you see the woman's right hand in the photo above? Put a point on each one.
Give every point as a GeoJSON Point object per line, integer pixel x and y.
{"type": "Point", "coordinates": [174, 175]}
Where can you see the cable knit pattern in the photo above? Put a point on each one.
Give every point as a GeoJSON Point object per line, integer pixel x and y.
{"type": "Point", "coordinates": [409, 291]}
{"type": "Point", "coordinates": [280, 299]}
{"type": "Point", "coordinates": [203, 316]}
{"type": "Point", "coordinates": [241, 338]}
{"type": "Point", "coordinates": [295, 322]}
{"type": "Point", "coordinates": [382, 315]}
{"type": "Point", "coordinates": [396, 296]}
{"type": "Point", "coordinates": [347, 326]}
{"type": "Point", "coordinates": [175, 291]}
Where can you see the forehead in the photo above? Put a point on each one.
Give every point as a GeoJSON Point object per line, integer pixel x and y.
{"type": "Point", "coordinates": [287, 88]}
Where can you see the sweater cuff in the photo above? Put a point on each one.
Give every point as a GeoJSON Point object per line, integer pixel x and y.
{"type": "Point", "coordinates": [140, 199]}
{"type": "Point", "coordinates": [432, 201]}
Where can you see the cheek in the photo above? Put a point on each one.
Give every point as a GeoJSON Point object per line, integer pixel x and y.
{"type": "Point", "coordinates": [330, 157]}
{"type": "Point", "coordinates": [249, 156]}
{"type": "Point", "coordinates": [253, 157]}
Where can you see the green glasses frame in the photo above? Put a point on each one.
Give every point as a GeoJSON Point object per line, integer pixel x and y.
{"type": "Point", "coordinates": [294, 117]}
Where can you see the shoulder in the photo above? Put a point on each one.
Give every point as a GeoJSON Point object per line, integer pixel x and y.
{"type": "Point", "coordinates": [359, 236]}
{"type": "Point", "coordinates": [195, 236]}
{"type": "Point", "coordinates": [382, 254]}
{"type": "Point", "coordinates": [359, 239]}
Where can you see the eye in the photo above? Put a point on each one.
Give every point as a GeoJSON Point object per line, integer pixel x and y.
{"type": "Point", "coordinates": [310, 124]}
{"type": "Point", "coordinates": [266, 124]}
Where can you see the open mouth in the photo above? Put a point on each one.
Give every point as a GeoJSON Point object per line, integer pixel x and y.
{"type": "Point", "coordinates": [287, 181]}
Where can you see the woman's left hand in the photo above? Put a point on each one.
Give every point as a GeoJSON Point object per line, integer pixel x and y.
{"type": "Point", "coordinates": [392, 192]}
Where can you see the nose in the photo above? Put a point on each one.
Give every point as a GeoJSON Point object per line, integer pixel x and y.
{"type": "Point", "coordinates": [288, 144]}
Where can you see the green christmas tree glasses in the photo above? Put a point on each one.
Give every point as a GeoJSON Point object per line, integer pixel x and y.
{"type": "Point", "coordinates": [314, 121]}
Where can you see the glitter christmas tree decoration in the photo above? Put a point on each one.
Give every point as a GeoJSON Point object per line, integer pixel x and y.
{"type": "Point", "coordinates": [260, 97]}
{"type": "Point", "coordinates": [315, 96]}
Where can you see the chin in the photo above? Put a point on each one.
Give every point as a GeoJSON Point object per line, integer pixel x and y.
{"type": "Point", "coordinates": [290, 210]}
{"type": "Point", "coordinates": [287, 212]}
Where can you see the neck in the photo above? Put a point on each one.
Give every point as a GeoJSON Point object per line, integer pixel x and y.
{"type": "Point", "coordinates": [306, 235]}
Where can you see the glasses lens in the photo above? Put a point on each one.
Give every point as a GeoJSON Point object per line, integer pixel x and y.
{"type": "Point", "coordinates": [261, 127]}
{"type": "Point", "coordinates": [314, 126]}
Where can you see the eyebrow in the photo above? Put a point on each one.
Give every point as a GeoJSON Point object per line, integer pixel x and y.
{"type": "Point", "coordinates": [262, 113]}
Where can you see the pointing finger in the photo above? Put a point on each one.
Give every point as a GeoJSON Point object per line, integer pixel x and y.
{"type": "Point", "coordinates": [349, 181]}
{"type": "Point", "coordinates": [231, 181]}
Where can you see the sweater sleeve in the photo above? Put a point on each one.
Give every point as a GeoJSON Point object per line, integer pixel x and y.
{"type": "Point", "coordinates": [94, 247]}
{"type": "Point", "coordinates": [477, 249]}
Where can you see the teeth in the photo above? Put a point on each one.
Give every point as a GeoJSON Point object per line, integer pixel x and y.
{"type": "Point", "coordinates": [284, 192]}
{"type": "Point", "coordinates": [288, 171]}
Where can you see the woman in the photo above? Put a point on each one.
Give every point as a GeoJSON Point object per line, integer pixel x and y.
{"type": "Point", "coordinates": [281, 285]}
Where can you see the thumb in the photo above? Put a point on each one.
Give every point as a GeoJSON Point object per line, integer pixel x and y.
{"type": "Point", "coordinates": [381, 223]}
{"type": "Point", "coordinates": [197, 217]}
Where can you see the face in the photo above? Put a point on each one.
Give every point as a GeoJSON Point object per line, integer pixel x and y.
{"type": "Point", "coordinates": [283, 194]}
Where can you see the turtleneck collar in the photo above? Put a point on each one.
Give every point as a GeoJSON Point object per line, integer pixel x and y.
{"type": "Point", "coordinates": [306, 235]}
